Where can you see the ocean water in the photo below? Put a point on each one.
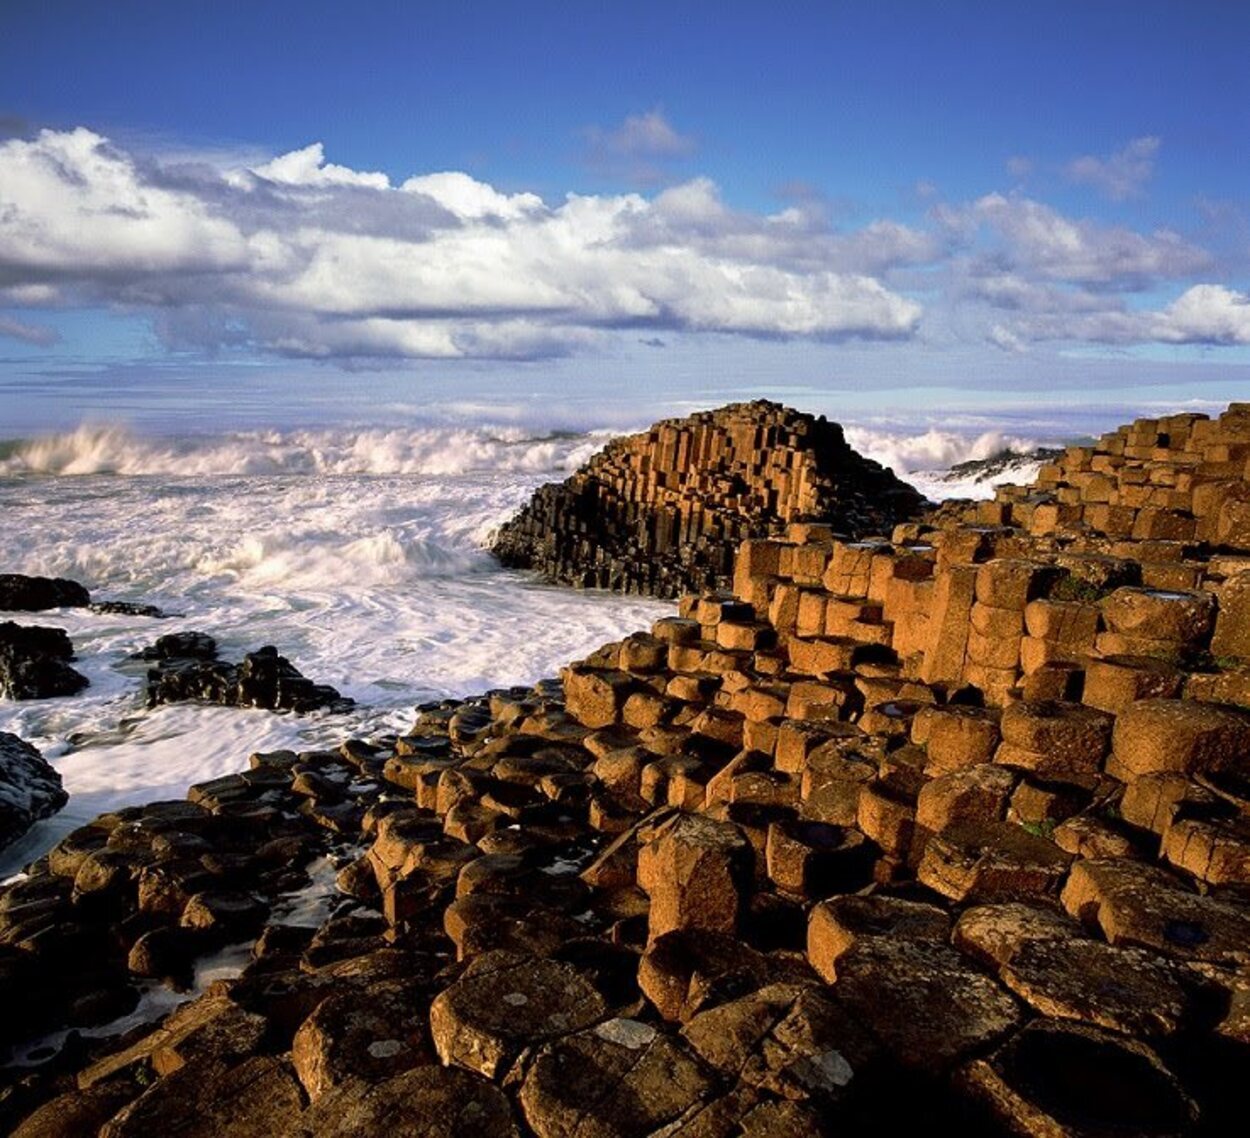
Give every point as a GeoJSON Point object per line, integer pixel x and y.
{"type": "Point", "coordinates": [359, 553]}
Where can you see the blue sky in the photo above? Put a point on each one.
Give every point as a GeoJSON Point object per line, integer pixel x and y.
{"type": "Point", "coordinates": [891, 209]}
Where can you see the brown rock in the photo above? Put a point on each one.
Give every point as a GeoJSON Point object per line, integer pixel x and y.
{"type": "Point", "coordinates": [1178, 616]}
{"type": "Point", "coordinates": [1136, 904]}
{"type": "Point", "coordinates": [504, 1002]}
{"type": "Point", "coordinates": [815, 860]}
{"type": "Point", "coordinates": [994, 933]}
{"type": "Point", "coordinates": [369, 1035]}
{"type": "Point", "coordinates": [1114, 682]}
{"type": "Point", "coordinates": [1129, 990]}
{"type": "Point", "coordinates": [682, 971]}
{"type": "Point", "coordinates": [254, 1099]}
{"type": "Point", "coordinates": [991, 861]}
{"type": "Point", "coordinates": [1158, 735]}
{"type": "Point", "coordinates": [924, 1002]}
{"type": "Point", "coordinates": [835, 927]}
{"type": "Point", "coordinates": [1055, 740]}
{"type": "Point", "coordinates": [617, 1080]}
{"type": "Point", "coordinates": [787, 1039]}
{"type": "Point", "coordinates": [426, 1102]}
{"type": "Point", "coordinates": [696, 872]}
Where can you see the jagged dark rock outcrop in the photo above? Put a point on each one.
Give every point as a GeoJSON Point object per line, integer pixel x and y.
{"type": "Point", "coordinates": [663, 512]}
{"type": "Point", "coordinates": [19, 593]}
{"type": "Point", "coordinates": [188, 670]}
{"type": "Point", "coordinates": [33, 662]}
{"type": "Point", "coordinates": [30, 788]}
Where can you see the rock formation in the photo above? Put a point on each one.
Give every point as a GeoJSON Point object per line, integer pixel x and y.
{"type": "Point", "coordinates": [19, 593]}
{"type": "Point", "coordinates": [941, 832]}
{"type": "Point", "coordinates": [187, 668]}
{"type": "Point", "coordinates": [30, 788]}
{"type": "Point", "coordinates": [663, 512]}
{"type": "Point", "coordinates": [34, 662]}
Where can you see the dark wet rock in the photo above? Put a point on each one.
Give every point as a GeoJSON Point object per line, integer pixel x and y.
{"type": "Point", "coordinates": [127, 608]}
{"type": "Point", "coordinates": [30, 788]}
{"type": "Point", "coordinates": [264, 679]}
{"type": "Point", "coordinates": [180, 646]}
{"type": "Point", "coordinates": [19, 593]}
{"type": "Point", "coordinates": [33, 663]}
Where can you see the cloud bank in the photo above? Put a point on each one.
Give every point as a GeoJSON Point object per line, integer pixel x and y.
{"type": "Point", "coordinates": [304, 257]}
{"type": "Point", "coordinates": [299, 256]}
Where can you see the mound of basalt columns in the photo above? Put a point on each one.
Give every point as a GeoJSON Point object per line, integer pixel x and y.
{"type": "Point", "coordinates": [945, 831]}
{"type": "Point", "coordinates": [663, 512]}
{"type": "Point", "coordinates": [34, 662]}
{"type": "Point", "coordinates": [187, 668]}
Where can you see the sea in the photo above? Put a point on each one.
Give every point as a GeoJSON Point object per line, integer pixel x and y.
{"type": "Point", "coordinates": [361, 553]}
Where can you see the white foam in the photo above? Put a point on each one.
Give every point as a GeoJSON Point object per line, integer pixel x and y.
{"type": "Point", "coordinates": [110, 449]}
{"type": "Point", "coordinates": [934, 449]}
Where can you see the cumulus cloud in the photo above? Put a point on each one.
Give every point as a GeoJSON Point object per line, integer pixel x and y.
{"type": "Point", "coordinates": [1206, 314]}
{"type": "Point", "coordinates": [308, 167]}
{"type": "Point", "coordinates": [304, 257]}
{"type": "Point", "coordinates": [1121, 174]}
{"type": "Point", "coordinates": [1041, 241]}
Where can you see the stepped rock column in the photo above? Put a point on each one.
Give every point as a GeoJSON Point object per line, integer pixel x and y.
{"type": "Point", "coordinates": [697, 872]}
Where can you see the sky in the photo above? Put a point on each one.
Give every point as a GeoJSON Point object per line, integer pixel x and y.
{"type": "Point", "coordinates": [955, 213]}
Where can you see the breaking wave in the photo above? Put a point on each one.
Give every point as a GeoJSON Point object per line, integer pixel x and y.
{"type": "Point", "coordinates": [433, 450]}
{"type": "Point", "coordinates": [934, 449]}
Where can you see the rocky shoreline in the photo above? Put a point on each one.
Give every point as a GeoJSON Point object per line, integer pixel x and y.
{"type": "Point", "coordinates": [941, 827]}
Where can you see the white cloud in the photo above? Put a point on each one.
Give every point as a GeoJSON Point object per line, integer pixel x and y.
{"type": "Point", "coordinates": [1120, 175]}
{"type": "Point", "coordinates": [1044, 243]}
{"type": "Point", "coordinates": [70, 204]}
{"type": "Point", "coordinates": [308, 167]}
{"type": "Point", "coordinates": [468, 198]}
{"type": "Point", "coordinates": [304, 257]}
{"type": "Point", "coordinates": [1206, 314]}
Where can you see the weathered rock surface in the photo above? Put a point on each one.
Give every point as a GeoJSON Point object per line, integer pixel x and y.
{"type": "Point", "coordinates": [30, 788]}
{"type": "Point", "coordinates": [663, 512]}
